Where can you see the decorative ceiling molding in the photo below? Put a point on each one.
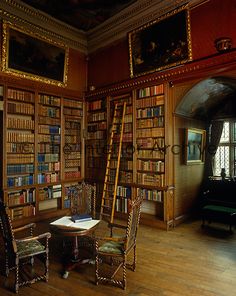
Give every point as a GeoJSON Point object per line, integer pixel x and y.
{"type": "Point", "coordinates": [115, 28]}
{"type": "Point", "coordinates": [136, 15]}
{"type": "Point", "coordinates": [22, 15]}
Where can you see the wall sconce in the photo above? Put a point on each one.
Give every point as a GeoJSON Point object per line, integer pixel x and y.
{"type": "Point", "coordinates": [223, 44]}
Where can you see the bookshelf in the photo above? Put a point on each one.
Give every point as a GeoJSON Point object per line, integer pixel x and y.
{"type": "Point", "coordinates": [150, 141]}
{"type": "Point", "coordinates": [36, 167]}
{"type": "Point", "coordinates": [96, 143]}
{"type": "Point", "coordinates": [20, 152]}
{"type": "Point", "coordinates": [72, 146]}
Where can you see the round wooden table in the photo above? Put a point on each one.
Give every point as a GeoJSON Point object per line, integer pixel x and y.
{"type": "Point", "coordinates": [73, 259]}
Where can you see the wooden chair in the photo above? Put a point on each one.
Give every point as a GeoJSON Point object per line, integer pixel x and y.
{"type": "Point", "coordinates": [112, 251]}
{"type": "Point", "coordinates": [83, 199]}
{"type": "Point", "coordinates": [79, 248]}
{"type": "Point", "coordinates": [21, 251]}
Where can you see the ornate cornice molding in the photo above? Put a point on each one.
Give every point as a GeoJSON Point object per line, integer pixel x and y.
{"type": "Point", "coordinates": [22, 15]}
{"type": "Point", "coordinates": [212, 65]}
{"type": "Point", "coordinates": [138, 14]}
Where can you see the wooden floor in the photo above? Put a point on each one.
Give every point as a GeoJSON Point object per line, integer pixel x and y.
{"type": "Point", "coordinates": [185, 261]}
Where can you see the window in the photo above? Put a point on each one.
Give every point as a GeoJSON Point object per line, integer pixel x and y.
{"type": "Point", "coordinates": [225, 156]}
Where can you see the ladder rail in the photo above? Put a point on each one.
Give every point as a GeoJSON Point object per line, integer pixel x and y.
{"type": "Point", "coordinates": [111, 199]}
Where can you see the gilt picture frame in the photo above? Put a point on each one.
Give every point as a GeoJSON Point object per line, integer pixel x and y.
{"type": "Point", "coordinates": [161, 44]}
{"type": "Point", "coordinates": [195, 140]}
{"type": "Point", "coordinates": [29, 55]}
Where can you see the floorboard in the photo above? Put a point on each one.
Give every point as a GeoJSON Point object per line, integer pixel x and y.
{"type": "Point", "coordinates": [185, 261]}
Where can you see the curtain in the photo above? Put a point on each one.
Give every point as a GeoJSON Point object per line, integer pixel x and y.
{"type": "Point", "coordinates": [213, 138]}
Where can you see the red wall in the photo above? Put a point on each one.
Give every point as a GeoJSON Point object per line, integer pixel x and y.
{"type": "Point", "coordinates": [214, 19]}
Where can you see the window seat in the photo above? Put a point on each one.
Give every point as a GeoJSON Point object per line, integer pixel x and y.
{"type": "Point", "coordinates": [219, 202]}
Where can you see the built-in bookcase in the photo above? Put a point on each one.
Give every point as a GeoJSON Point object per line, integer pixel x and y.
{"type": "Point", "coordinates": [142, 163]}
{"type": "Point", "coordinates": [20, 152]}
{"type": "Point", "coordinates": [150, 143]}
{"type": "Point", "coordinates": [72, 147]}
{"type": "Point", "coordinates": [38, 129]}
{"type": "Point", "coordinates": [96, 140]}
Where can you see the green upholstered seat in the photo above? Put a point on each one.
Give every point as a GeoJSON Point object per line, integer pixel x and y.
{"type": "Point", "coordinates": [220, 209]}
{"type": "Point", "coordinates": [26, 248]}
{"type": "Point", "coordinates": [112, 247]}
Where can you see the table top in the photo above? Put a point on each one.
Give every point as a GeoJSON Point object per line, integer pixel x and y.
{"type": "Point", "coordinates": [65, 226]}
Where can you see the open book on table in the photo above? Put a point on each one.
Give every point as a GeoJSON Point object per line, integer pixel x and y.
{"type": "Point", "coordinates": [67, 222]}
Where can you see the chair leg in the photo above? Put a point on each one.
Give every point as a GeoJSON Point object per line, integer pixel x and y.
{"type": "Point", "coordinates": [17, 276]}
{"type": "Point", "coordinates": [124, 272]}
{"type": "Point", "coordinates": [96, 262]}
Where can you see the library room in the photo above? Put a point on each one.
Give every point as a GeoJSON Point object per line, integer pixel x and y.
{"type": "Point", "coordinates": [117, 147]}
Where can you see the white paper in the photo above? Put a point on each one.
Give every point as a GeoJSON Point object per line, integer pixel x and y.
{"type": "Point", "coordinates": [67, 222]}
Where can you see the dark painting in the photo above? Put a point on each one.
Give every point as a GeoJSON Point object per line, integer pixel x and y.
{"type": "Point", "coordinates": [35, 56]}
{"type": "Point", "coordinates": [160, 45]}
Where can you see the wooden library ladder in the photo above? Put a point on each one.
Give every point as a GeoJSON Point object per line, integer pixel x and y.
{"type": "Point", "coordinates": [113, 164]}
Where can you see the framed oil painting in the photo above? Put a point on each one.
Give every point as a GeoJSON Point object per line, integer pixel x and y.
{"type": "Point", "coordinates": [194, 145]}
{"type": "Point", "coordinates": [34, 57]}
{"type": "Point", "coordinates": [161, 44]}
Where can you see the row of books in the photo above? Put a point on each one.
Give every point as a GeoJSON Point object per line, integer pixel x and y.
{"type": "Point", "coordinates": [21, 212]}
{"type": "Point", "coordinates": [154, 132]}
{"type": "Point", "coordinates": [20, 123]}
{"type": "Point", "coordinates": [70, 139]}
{"type": "Point", "coordinates": [73, 112]}
{"type": "Point", "coordinates": [127, 137]}
{"type": "Point", "coordinates": [149, 102]}
{"type": "Point", "coordinates": [97, 126]}
{"type": "Point", "coordinates": [148, 143]}
{"type": "Point", "coordinates": [150, 112]}
{"type": "Point", "coordinates": [48, 177]}
{"type": "Point", "coordinates": [55, 139]}
{"type": "Point", "coordinates": [49, 100]}
{"type": "Point", "coordinates": [125, 177]}
{"type": "Point", "coordinates": [49, 192]}
{"type": "Point", "coordinates": [20, 181]}
{"type": "Point", "coordinates": [150, 123]}
{"type": "Point", "coordinates": [73, 154]}
{"type": "Point", "coordinates": [123, 191]}
{"type": "Point", "coordinates": [124, 164]}
{"type": "Point", "coordinates": [20, 158]}
{"type": "Point", "coordinates": [72, 175]}
{"type": "Point", "coordinates": [20, 147]}
{"type": "Point", "coordinates": [49, 111]}
{"type": "Point", "coordinates": [72, 125]}
{"type": "Point", "coordinates": [122, 204]}
{"type": "Point", "coordinates": [21, 197]}
{"type": "Point", "coordinates": [20, 95]}
{"type": "Point", "coordinates": [96, 135]}
{"type": "Point", "coordinates": [49, 120]}
{"type": "Point", "coordinates": [96, 105]}
{"type": "Point", "coordinates": [48, 148]}
{"type": "Point", "coordinates": [97, 117]}
{"type": "Point", "coordinates": [72, 163]}
{"type": "Point", "coordinates": [51, 166]}
{"type": "Point", "coordinates": [73, 104]}
{"type": "Point", "coordinates": [21, 108]}
{"type": "Point", "coordinates": [151, 91]}
{"type": "Point", "coordinates": [52, 157]}
{"type": "Point", "coordinates": [49, 129]}
{"type": "Point", "coordinates": [151, 154]}
{"type": "Point", "coordinates": [20, 137]}
{"type": "Point", "coordinates": [150, 165]}
{"type": "Point", "coordinates": [20, 169]}
{"type": "Point", "coordinates": [150, 179]}
{"type": "Point", "coordinates": [148, 194]}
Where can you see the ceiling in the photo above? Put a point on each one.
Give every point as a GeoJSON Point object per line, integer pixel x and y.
{"type": "Point", "coordinates": [81, 14]}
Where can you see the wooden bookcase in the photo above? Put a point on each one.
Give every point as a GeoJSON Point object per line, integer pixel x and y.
{"type": "Point", "coordinates": [41, 151]}
{"type": "Point", "coordinates": [143, 160]}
